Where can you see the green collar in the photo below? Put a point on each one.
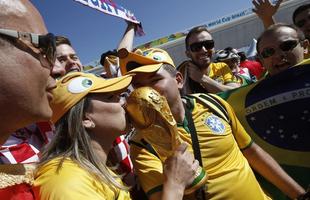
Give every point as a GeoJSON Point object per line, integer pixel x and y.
{"type": "Point", "coordinates": [188, 105]}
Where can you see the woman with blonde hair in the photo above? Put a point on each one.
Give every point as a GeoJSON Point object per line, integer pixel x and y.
{"type": "Point", "coordinates": [89, 115]}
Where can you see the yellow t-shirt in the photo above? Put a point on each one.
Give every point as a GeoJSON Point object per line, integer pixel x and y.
{"type": "Point", "coordinates": [229, 174]}
{"type": "Point", "coordinates": [304, 62]}
{"type": "Point", "coordinates": [221, 73]}
{"type": "Point", "coordinates": [72, 182]}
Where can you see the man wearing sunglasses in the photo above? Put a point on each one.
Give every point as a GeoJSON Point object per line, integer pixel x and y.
{"type": "Point", "coordinates": [27, 60]}
{"type": "Point", "coordinates": [301, 16]}
{"type": "Point", "coordinates": [204, 76]}
{"type": "Point", "coordinates": [281, 46]}
{"type": "Point", "coordinates": [225, 149]}
{"type": "Point", "coordinates": [27, 56]}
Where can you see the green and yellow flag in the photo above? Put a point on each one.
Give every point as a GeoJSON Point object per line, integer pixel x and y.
{"type": "Point", "coordinates": [276, 113]}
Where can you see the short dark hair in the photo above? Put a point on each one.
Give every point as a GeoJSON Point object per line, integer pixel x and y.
{"type": "Point", "coordinates": [229, 49]}
{"type": "Point", "coordinates": [195, 30]}
{"type": "Point", "coordinates": [107, 53]}
{"type": "Point", "coordinates": [299, 10]}
{"type": "Point", "coordinates": [242, 56]}
{"type": "Point", "coordinates": [170, 69]}
{"type": "Point", "coordinates": [271, 29]}
{"type": "Point", "coordinates": [62, 40]}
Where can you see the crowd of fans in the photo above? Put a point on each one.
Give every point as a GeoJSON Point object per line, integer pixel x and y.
{"type": "Point", "coordinates": [65, 134]}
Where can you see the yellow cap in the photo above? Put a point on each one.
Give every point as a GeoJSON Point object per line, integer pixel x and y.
{"type": "Point", "coordinates": [149, 60]}
{"type": "Point", "coordinates": [74, 86]}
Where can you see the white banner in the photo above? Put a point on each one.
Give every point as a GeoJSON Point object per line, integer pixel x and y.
{"type": "Point", "coordinates": [110, 8]}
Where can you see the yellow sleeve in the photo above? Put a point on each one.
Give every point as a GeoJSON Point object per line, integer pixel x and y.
{"type": "Point", "coordinates": [227, 74]}
{"type": "Point", "coordinates": [148, 167]}
{"type": "Point", "coordinates": [71, 183]}
{"type": "Point", "coordinates": [242, 137]}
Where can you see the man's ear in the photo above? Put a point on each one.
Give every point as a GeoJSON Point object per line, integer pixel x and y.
{"type": "Point", "coordinates": [88, 122]}
{"type": "Point", "coordinates": [180, 80]}
{"type": "Point", "coordinates": [188, 54]}
{"type": "Point", "coordinates": [305, 44]}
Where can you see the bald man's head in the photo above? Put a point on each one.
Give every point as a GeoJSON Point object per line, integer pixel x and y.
{"type": "Point", "coordinates": [25, 78]}
{"type": "Point", "coordinates": [21, 15]}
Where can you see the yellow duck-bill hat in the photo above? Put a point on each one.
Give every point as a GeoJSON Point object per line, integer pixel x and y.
{"type": "Point", "coordinates": [149, 60]}
{"type": "Point", "coordinates": [71, 88]}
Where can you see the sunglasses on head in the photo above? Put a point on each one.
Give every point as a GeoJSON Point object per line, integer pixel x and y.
{"type": "Point", "coordinates": [46, 44]}
{"type": "Point", "coordinates": [284, 46]}
{"type": "Point", "coordinates": [302, 22]}
{"type": "Point", "coordinates": [197, 46]}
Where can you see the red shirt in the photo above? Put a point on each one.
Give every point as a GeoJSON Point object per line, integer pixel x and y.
{"type": "Point", "coordinates": [254, 67]}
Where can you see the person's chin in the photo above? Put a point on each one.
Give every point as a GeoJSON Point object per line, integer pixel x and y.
{"type": "Point", "coordinates": [204, 63]}
{"type": "Point", "coordinates": [45, 114]}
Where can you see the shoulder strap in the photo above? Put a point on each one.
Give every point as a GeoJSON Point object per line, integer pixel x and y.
{"type": "Point", "coordinates": [145, 145]}
{"type": "Point", "coordinates": [200, 193]}
{"type": "Point", "coordinates": [192, 130]}
{"type": "Point", "coordinates": [212, 103]}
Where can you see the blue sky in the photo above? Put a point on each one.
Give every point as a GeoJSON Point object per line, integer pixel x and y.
{"type": "Point", "coordinates": [92, 32]}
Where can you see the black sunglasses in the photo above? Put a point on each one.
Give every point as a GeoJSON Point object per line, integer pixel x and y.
{"type": "Point", "coordinates": [45, 43]}
{"type": "Point", "coordinates": [284, 46]}
{"type": "Point", "coordinates": [302, 22]}
{"type": "Point", "coordinates": [197, 46]}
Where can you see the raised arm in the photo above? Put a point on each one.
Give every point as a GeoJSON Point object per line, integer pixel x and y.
{"type": "Point", "coordinates": [213, 86]}
{"type": "Point", "coordinates": [127, 40]}
{"type": "Point", "coordinates": [265, 11]}
{"type": "Point", "coordinates": [178, 172]}
{"type": "Point", "coordinates": [265, 165]}
{"type": "Point", "coordinates": [208, 83]}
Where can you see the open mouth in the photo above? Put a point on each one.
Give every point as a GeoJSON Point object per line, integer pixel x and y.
{"type": "Point", "coordinates": [74, 69]}
{"type": "Point", "coordinates": [204, 57]}
{"type": "Point", "coordinates": [283, 65]}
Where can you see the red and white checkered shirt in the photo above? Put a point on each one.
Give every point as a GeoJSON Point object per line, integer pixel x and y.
{"type": "Point", "coordinates": [119, 160]}
{"type": "Point", "coordinates": [24, 145]}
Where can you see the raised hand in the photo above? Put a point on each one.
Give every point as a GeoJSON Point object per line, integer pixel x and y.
{"type": "Point", "coordinates": [265, 10]}
{"type": "Point", "coordinates": [180, 167]}
{"type": "Point", "coordinates": [194, 72]}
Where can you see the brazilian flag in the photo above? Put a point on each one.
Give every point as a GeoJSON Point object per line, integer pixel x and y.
{"type": "Point", "coordinates": [276, 114]}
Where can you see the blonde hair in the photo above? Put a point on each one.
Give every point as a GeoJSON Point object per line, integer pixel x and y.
{"type": "Point", "coordinates": [73, 141]}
